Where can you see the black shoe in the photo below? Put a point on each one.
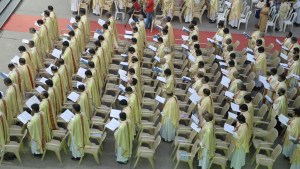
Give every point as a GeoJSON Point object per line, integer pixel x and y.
{"type": "Point", "coordinates": [74, 13]}
{"type": "Point", "coordinates": [75, 159]}
{"type": "Point", "coordinates": [276, 29]}
{"type": "Point", "coordinates": [38, 155]}
{"type": "Point", "coordinates": [211, 21]}
{"type": "Point", "coordinates": [122, 162]}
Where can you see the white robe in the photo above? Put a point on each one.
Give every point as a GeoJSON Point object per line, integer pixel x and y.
{"type": "Point", "coordinates": [75, 5]}
{"type": "Point", "coordinates": [297, 8]}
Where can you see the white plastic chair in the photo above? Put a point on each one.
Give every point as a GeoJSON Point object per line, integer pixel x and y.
{"type": "Point", "coordinates": [290, 21]}
{"type": "Point", "coordinates": [245, 20]}
{"type": "Point", "coordinates": [253, 2]}
{"type": "Point", "coordinates": [118, 11]}
{"type": "Point", "coordinates": [272, 23]}
{"type": "Point", "coordinates": [245, 11]}
{"type": "Point", "coordinates": [223, 16]}
{"type": "Point", "coordinates": [272, 11]}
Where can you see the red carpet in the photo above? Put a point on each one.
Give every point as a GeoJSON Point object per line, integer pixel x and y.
{"type": "Point", "coordinates": [21, 23]}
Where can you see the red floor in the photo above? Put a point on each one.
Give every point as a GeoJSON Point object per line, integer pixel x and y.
{"type": "Point", "coordinates": [21, 23]}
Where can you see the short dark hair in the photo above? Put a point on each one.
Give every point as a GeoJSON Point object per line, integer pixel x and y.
{"type": "Point", "coordinates": [22, 48]}
{"type": "Point", "coordinates": [167, 72]}
{"type": "Point", "coordinates": [76, 107]}
{"type": "Point", "coordinates": [244, 107]}
{"type": "Point", "coordinates": [241, 119]}
{"type": "Point", "coordinates": [45, 94]}
{"type": "Point", "coordinates": [123, 116]}
{"type": "Point", "coordinates": [49, 82]}
{"type": "Point", "coordinates": [50, 8]}
{"type": "Point", "coordinates": [226, 30]}
{"type": "Point", "coordinates": [128, 89]}
{"type": "Point", "coordinates": [35, 107]}
{"type": "Point", "coordinates": [206, 91]}
{"type": "Point", "coordinates": [123, 102]}
{"type": "Point", "coordinates": [88, 73]}
{"type": "Point", "coordinates": [81, 87]}
{"type": "Point", "coordinates": [22, 61]}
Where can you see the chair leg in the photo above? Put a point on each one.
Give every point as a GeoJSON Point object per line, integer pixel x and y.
{"type": "Point", "coordinates": [96, 158]}
{"type": "Point", "coordinates": [137, 160]}
{"type": "Point", "coordinates": [190, 164]}
{"type": "Point", "coordinates": [256, 166]}
{"type": "Point", "coordinates": [18, 156]}
{"type": "Point", "coordinates": [58, 155]}
{"type": "Point", "coordinates": [44, 153]}
{"type": "Point", "coordinates": [151, 162]}
{"type": "Point", "coordinates": [81, 159]}
{"type": "Point", "coordinates": [176, 164]}
{"type": "Point", "coordinates": [174, 150]}
{"type": "Point", "coordinates": [2, 156]}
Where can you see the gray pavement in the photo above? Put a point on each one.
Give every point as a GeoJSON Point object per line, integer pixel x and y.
{"type": "Point", "coordinates": [9, 41]}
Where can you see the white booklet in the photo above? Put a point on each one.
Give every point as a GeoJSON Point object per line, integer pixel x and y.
{"type": "Point", "coordinates": [269, 98]}
{"type": "Point", "coordinates": [195, 98]}
{"type": "Point", "coordinates": [48, 69]}
{"type": "Point", "coordinates": [191, 90]}
{"type": "Point", "coordinates": [32, 101]}
{"type": "Point", "coordinates": [40, 89]}
{"type": "Point", "coordinates": [162, 79]}
{"type": "Point", "coordinates": [56, 53]}
{"type": "Point", "coordinates": [101, 22]}
{"type": "Point", "coordinates": [43, 80]}
{"type": "Point", "coordinates": [113, 124]}
{"type": "Point", "coordinates": [219, 38]}
{"type": "Point", "coordinates": [122, 87]}
{"type": "Point", "coordinates": [283, 119]}
{"type": "Point", "coordinates": [192, 58]}
{"type": "Point", "coordinates": [195, 127]}
{"type": "Point", "coordinates": [115, 113]}
{"type": "Point", "coordinates": [67, 115]}
{"type": "Point", "coordinates": [24, 117]}
{"type": "Point", "coordinates": [229, 94]}
{"type": "Point", "coordinates": [232, 115]}
{"type": "Point", "coordinates": [72, 20]}
{"type": "Point", "coordinates": [235, 107]}
{"type": "Point", "coordinates": [81, 72]}
{"type": "Point", "coordinates": [15, 59]}
{"type": "Point", "coordinates": [73, 96]}
{"type": "Point", "coordinates": [225, 81]}
{"type": "Point", "coordinates": [184, 37]}
{"type": "Point", "coordinates": [26, 41]}
{"type": "Point", "coordinates": [152, 48]}
{"type": "Point", "coordinates": [184, 46]}
{"type": "Point", "coordinates": [120, 97]}
{"type": "Point", "coordinates": [229, 128]}
{"type": "Point", "coordinates": [160, 99]}
{"type": "Point", "coordinates": [195, 119]}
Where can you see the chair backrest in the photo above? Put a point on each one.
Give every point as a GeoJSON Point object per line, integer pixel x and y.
{"type": "Point", "coordinates": [293, 17]}
{"type": "Point", "coordinates": [250, 86]}
{"type": "Point", "coordinates": [272, 11]}
{"type": "Point", "coordinates": [248, 15]}
{"type": "Point", "coordinates": [275, 54]}
{"type": "Point", "coordinates": [24, 135]}
{"type": "Point", "coordinates": [244, 5]}
{"type": "Point", "coordinates": [156, 143]}
{"type": "Point", "coordinates": [214, 68]}
{"type": "Point", "coordinates": [270, 47]}
{"type": "Point", "coordinates": [257, 99]}
{"type": "Point", "coordinates": [275, 18]}
{"type": "Point", "coordinates": [217, 76]}
{"type": "Point", "coordinates": [191, 108]}
{"type": "Point", "coordinates": [296, 103]}
{"type": "Point", "coordinates": [292, 93]}
{"type": "Point", "coordinates": [225, 109]}
{"type": "Point", "coordinates": [275, 62]}
{"type": "Point", "coordinates": [271, 124]}
{"type": "Point", "coordinates": [276, 152]}
{"type": "Point", "coordinates": [62, 143]}
{"type": "Point", "coordinates": [102, 138]}
{"type": "Point", "coordinates": [203, 10]}
{"type": "Point", "coordinates": [219, 88]}
{"type": "Point", "coordinates": [230, 150]}
{"type": "Point", "coordinates": [192, 135]}
{"type": "Point", "coordinates": [195, 148]}
{"type": "Point", "coordinates": [250, 77]}
{"type": "Point", "coordinates": [157, 129]}
{"type": "Point", "coordinates": [272, 135]}
{"type": "Point", "coordinates": [221, 97]}
{"type": "Point", "coordinates": [116, 6]}
{"type": "Point", "coordinates": [262, 110]}
{"type": "Point", "coordinates": [288, 15]}
{"type": "Point", "coordinates": [247, 69]}
{"type": "Point", "coordinates": [246, 9]}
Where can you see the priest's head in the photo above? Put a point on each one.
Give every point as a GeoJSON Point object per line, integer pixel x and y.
{"type": "Point", "coordinates": [122, 116]}
{"type": "Point", "coordinates": [82, 11]}
{"type": "Point", "coordinates": [46, 13]}
{"type": "Point", "coordinates": [247, 98]}
{"type": "Point", "coordinates": [169, 94]}
{"type": "Point", "coordinates": [44, 95]}
{"type": "Point", "coordinates": [206, 92]}
{"type": "Point", "coordinates": [35, 108]}
{"type": "Point", "coordinates": [167, 72]}
{"type": "Point", "coordinates": [241, 119]}
{"type": "Point", "coordinates": [81, 88]}
{"type": "Point", "coordinates": [50, 8]}
{"type": "Point", "coordinates": [88, 73]}
{"type": "Point", "coordinates": [76, 108]}
{"type": "Point", "coordinates": [32, 30]}
{"type": "Point", "coordinates": [123, 103]}
{"type": "Point", "coordinates": [7, 82]}
{"type": "Point", "coordinates": [22, 49]}
{"type": "Point", "coordinates": [128, 90]}
{"type": "Point", "coordinates": [31, 43]}
{"type": "Point", "coordinates": [11, 66]}
{"type": "Point", "coordinates": [40, 22]}
{"type": "Point", "coordinates": [22, 61]}
{"type": "Point", "coordinates": [243, 107]}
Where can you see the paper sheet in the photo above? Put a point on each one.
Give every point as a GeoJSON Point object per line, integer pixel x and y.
{"type": "Point", "coordinates": [225, 81]}
{"type": "Point", "coordinates": [122, 72]}
{"type": "Point", "coordinates": [43, 80]}
{"type": "Point", "coordinates": [24, 117]}
{"type": "Point", "coordinates": [127, 36]}
{"type": "Point", "coordinates": [157, 58]}
{"type": "Point", "coordinates": [250, 58]}
{"type": "Point", "coordinates": [228, 4]}
{"type": "Point", "coordinates": [283, 56]}
{"type": "Point", "coordinates": [70, 28]}
{"type": "Point", "coordinates": [152, 48]}
{"type": "Point", "coordinates": [160, 99]}
{"type": "Point", "coordinates": [101, 22]}
{"type": "Point", "coordinates": [81, 72]}
{"type": "Point", "coordinates": [113, 124]}
{"type": "Point", "coordinates": [56, 53]}
{"type": "Point", "coordinates": [122, 87]}
{"type": "Point", "coordinates": [232, 115]}
{"type": "Point", "coordinates": [219, 57]}
{"type": "Point", "coordinates": [195, 127]}
{"type": "Point", "coordinates": [228, 128]}
{"type": "Point", "coordinates": [192, 58]}
{"type": "Point", "coordinates": [195, 119]}
{"type": "Point", "coordinates": [67, 115]}
{"type": "Point", "coordinates": [162, 79]}
{"type": "Point", "coordinates": [36, 24]}
{"type": "Point", "coordinates": [285, 48]}
{"type": "Point", "coordinates": [224, 64]}
{"type": "Point", "coordinates": [229, 94]}
{"type": "Point", "coordinates": [247, 35]}
{"type": "Point", "coordinates": [283, 119]}
{"type": "Point", "coordinates": [48, 70]}
{"type": "Point", "coordinates": [72, 20]}
{"type": "Point", "coordinates": [155, 39]}
{"type": "Point", "coordinates": [25, 41]}
{"type": "Point", "coordinates": [96, 35]}
{"type": "Point", "coordinates": [40, 89]}
{"type": "Point", "coordinates": [249, 50]}
{"type": "Point", "coordinates": [278, 41]}
{"type": "Point", "coordinates": [15, 59]}
{"type": "Point", "coordinates": [123, 78]}
{"type": "Point", "coordinates": [184, 46]}
{"type": "Point", "coordinates": [186, 38]}
{"type": "Point", "coordinates": [219, 38]}
{"type": "Point", "coordinates": [124, 63]}
{"type": "Point", "coordinates": [185, 78]}
{"type": "Point", "coordinates": [32, 101]}
{"type": "Point", "coordinates": [128, 32]}
{"type": "Point", "coordinates": [84, 61]}
{"type": "Point", "coordinates": [191, 90]}
{"type": "Point", "coordinates": [3, 75]}
{"type": "Point", "coordinates": [120, 97]}
{"type": "Point", "coordinates": [115, 113]}
{"type": "Point", "coordinates": [124, 55]}
{"type": "Point", "coordinates": [225, 72]}
{"type": "Point", "coordinates": [185, 29]}
{"type": "Point", "coordinates": [210, 40]}
{"type": "Point", "coordinates": [195, 98]}
{"type": "Point", "coordinates": [73, 96]}
{"type": "Point", "coordinates": [235, 107]}
{"type": "Point", "coordinates": [79, 83]}
{"type": "Point", "coordinates": [269, 98]}
{"type": "Point", "coordinates": [157, 69]}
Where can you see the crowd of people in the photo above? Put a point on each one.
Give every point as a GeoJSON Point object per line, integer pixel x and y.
{"type": "Point", "coordinates": [219, 98]}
